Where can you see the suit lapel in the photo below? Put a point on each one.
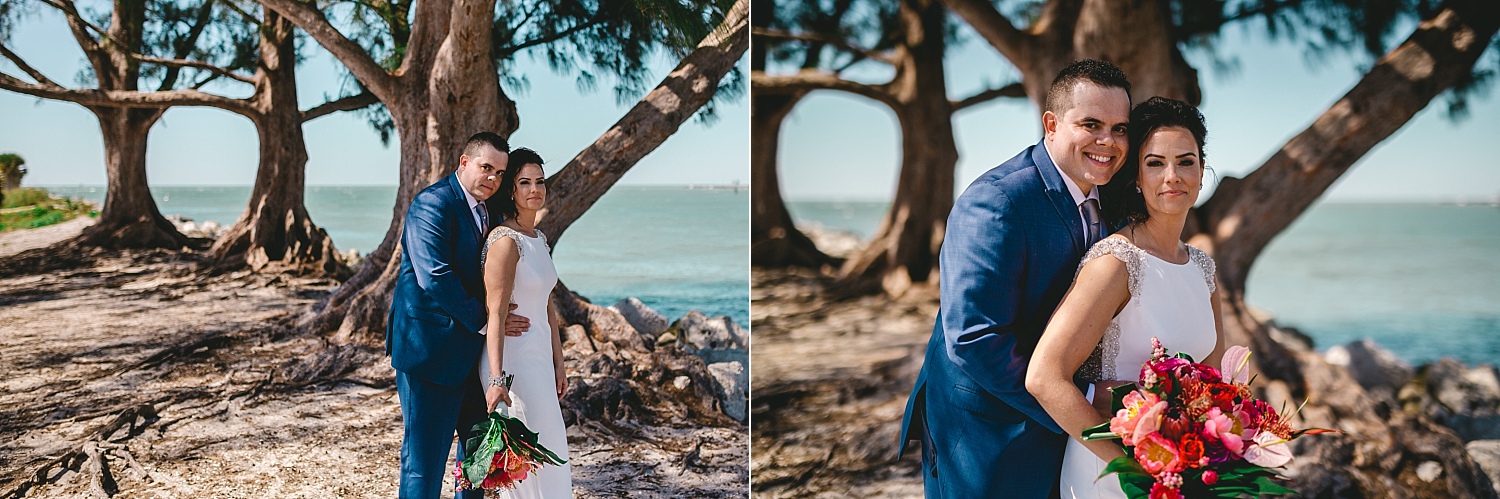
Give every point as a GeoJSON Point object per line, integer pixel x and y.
{"type": "Point", "coordinates": [1057, 192]}
{"type": "Point", "coordinates": [462, 203]}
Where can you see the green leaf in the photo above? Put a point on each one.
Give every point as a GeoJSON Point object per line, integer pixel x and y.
{"type": "Point", "coordinates": [1185, 356]}
{"type": "Point", "coordinates": [1124, 465]}
{"type": "Point", "coordinates": [1117, 396]}
{"type": "Point", "coordinates": [1269, 487]}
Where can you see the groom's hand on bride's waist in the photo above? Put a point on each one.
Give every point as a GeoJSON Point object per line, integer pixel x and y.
{"type": "Point", "coordinates": [515, 324]}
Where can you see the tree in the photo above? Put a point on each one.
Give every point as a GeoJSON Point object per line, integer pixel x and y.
{"type": "Point", "coordinates": [116, 54]}
{"type": "Point", "coordinates": [12, 168]}
{"type": "Point", "coordinates": [775, 239]}
{"type": "Point", "coordinates": [904, 248]}
{"type": "Point", "coordinates": [440, 83]}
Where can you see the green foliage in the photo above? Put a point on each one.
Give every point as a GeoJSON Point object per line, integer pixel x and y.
{"type": "Point", "coordinates": [44, 209]}
{"type": "Point", "coordinates": [593, 40]}
{"type": "Point", "coordinates": [12, 169]}
{"type": "Point", "coordinates": [16, 198]}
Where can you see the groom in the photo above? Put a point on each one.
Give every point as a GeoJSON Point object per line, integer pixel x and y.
{"type": "Point", "coordinates": [437, 307]}
{"type": "Point", "coordinates": [1014, 239]}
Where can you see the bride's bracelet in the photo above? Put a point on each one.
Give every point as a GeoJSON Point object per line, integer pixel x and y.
{"type": "Point", "coordinates": [503, 380]}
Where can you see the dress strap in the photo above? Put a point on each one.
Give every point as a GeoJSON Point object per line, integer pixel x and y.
{"type": "Point", "coordinates": [495, 234]}
{"type": "Point", "coordinates": [1134, 259]}
{"type": "Point", "coordinates": [1206, 264]}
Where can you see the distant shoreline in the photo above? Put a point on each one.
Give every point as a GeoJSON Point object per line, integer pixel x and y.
{"type": "Point", "coordinates": [729, 186]}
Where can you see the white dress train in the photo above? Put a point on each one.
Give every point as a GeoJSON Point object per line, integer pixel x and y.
{"type": "Point", "coordinates": [1168, 301]}
{"type": "Point", "coordinates": [528, 357]}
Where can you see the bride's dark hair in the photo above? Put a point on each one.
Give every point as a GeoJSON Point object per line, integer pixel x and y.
{"type": "Point", "coordinates": [502, 205]}
{"type": "Point", "coordinates": [1123, 203]}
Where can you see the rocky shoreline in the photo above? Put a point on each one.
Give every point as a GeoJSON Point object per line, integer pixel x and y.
{"type": "Point", "coordinates": [130, 374]}
{"type": "Point", "coordinates": [833, 374]}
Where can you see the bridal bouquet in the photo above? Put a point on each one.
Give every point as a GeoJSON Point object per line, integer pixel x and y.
{"type": "Point", "coordinates": [1191, 430]}
{"type": "Point", "coordinates": [500, 454]}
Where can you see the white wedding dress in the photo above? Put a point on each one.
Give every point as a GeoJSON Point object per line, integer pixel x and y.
{"type": "Point", "coordinates": [1168, 301]}
{"type": "Point", "coordinates": [528, 357]}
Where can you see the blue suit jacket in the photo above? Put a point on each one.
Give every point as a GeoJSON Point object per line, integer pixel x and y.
{"type": "Point", "coordinates": [1013, 242]}
{"type": "Point", "coordinates": [438, 304]}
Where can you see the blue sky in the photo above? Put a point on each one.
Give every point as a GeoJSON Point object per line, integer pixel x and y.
{"type": "Point", "coordinates": [838, 146]}
{"type": "Point", "coordinates": [202, 146]}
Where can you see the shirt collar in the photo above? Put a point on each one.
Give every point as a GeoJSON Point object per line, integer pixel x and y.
{"type": "Point", "coordinates": [475, 202]}
{"type": "Point", "coordinates": [1073, 189]}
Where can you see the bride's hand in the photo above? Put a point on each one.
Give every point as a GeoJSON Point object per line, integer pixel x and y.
{"type": "Point", "coordinates": [562, 383]}
{"type": "Point", "coordinates": [494, 395]}
{"type": "Point", "coordinates": [1103, 398]}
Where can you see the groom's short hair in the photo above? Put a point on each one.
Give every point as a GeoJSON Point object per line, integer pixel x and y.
{"type": "Point", "coordinates": [492, 139]}
{"type": "Point", "coordinates": [1102, 73]}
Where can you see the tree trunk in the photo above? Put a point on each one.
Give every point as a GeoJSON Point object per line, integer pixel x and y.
{"type": "Point", "coordinates": [1067, 31]}
{"type": "Point", "coordinates": [904, 249]}
{"type": "Point", "coordinates": [275, 232]}
{"type": "Point", "coordinates": [129, 218]}
{"type": "Point", "coordinates": [774, 238]}
{"type": "Point", "coordinates": [441, 99]}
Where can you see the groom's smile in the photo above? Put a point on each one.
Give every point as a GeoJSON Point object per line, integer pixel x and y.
{"type": "Point", "coordinates": [1088, 141]}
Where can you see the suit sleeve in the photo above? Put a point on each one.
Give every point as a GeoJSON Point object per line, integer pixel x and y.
{"type": "Point", "coordinates": [983, 262]}
{"type": "Point", "coordinates": [427, 238]}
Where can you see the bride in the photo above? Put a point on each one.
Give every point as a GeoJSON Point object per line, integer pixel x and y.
{"type": "Point", "coordinates": [1152, 285]}
{"type": "Point", "coordinates": [518, 269]}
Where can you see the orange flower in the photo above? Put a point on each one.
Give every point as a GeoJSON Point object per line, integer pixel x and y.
{"type": "Point", "coordinates": [1191, 447]}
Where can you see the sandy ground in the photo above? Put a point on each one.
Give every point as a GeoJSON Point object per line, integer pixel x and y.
{"type": "Point", "coordinates": [831, 381]}
{"type": "Point", "coordinates": [17, 241]}
{"type": "Point", "coordinates": [132, 376]}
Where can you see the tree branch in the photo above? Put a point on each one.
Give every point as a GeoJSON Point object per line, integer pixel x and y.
{"type": "Point", "coordinates": [551, 38]}
{"type": "Point", "coordinates": [693, 83]}
{"type": "Point", "coordinates": [33, 72]}
{"type": "Point", "coordinates": [1011, 90]}
{"type": "Point", "coordinates": [314, 23]}
{"type": "Point", "coordinates": [184, 48]}
{"type": "Point", "coordinates": [982, 15]}
{"type": "Point", "coordinates": [817, 80]}
{"type": "Point", "coordinates": [192, 64]}
{"type": "Point", "coordinates": [776, 34]}
{"type": "Point", "coordinates": [127, 98]}
{"type": "Point", "coordinates": [350, 103]}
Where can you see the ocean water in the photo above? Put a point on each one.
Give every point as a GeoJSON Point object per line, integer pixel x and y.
{"type": "Point", "coordinates": [1422, 280]}
{"type": "Point", "coordinates": [675, 248]}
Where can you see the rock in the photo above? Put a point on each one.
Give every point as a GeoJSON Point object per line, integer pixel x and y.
{"type": "Point", "coordinates": [665, 339]}
{"type": "Point", "coordinates": [1486, 454]}
{"type": "Point", "coordinates": [730, 382]}
{"type": "Point", "coordinates": [681, 382]}
{"type": "Point", "coordinates": [1429, 471]}
{"type": "Point", "coordinates": [645, 320]}
{"type": "Point", "coordinates": [1468, 399]}
{"type": "Point", "coordinates": [576, 339]}
{"type": "Point", "coordinates": [1376, 369]}
{"type": "Point", "coordinates": [696, 331]}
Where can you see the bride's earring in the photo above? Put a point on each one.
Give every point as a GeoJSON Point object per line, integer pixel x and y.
{"type": "Point", "coordinates": [1138, 189]}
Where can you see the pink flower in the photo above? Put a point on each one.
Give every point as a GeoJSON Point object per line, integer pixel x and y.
{"type": "Point", "coordinates": [1236, 364]}
{"type": "Point", "coordinates": [1219, 427]}
{"type": "Point", "coordinates": [1159, 491]}
{"type": "Point", "coordinates": [1158, 455]}
{"type": "Point", "coordinates": [1268, 450]}
{"type": "Point", "coordinates": [1141, 415]}
{"type": "Point", "coordinates": [1210, 477]}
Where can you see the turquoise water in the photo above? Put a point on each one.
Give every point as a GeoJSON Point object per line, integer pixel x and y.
{"type": "Point", "coordinates": [1421, 280]}
{"type": "Point", "coordinates": [675, 248]}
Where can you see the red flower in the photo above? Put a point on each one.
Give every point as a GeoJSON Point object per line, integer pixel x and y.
{"type": "Point", "coordinates": [1210, 477]}
{"type": "Point", "coordinates": [1159, 491]}
{"type": "Point", "coordinates": [1223, 395]}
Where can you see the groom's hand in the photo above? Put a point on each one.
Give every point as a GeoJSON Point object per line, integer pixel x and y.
{"type": "Point", "coordinates": [1103, 398]}
{"type": "Point", "coordinates": [515, 324]}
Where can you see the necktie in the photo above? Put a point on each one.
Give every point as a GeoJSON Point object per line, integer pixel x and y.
{"type": "Point", "coordinates": [484, 218]}
{"type": "Point", "coordinates": [1092, 232]}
